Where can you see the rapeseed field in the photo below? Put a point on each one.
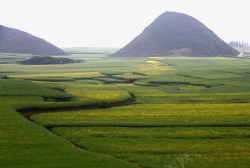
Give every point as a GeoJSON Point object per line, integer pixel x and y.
{"type": "Point", "coordinates": [116, 112]}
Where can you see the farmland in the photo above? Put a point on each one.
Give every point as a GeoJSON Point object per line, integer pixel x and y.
{"type": "Point", "coordinates": [125, 112]}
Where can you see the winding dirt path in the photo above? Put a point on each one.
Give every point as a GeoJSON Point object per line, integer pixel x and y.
{"type": "Point", "coordinates": [26, 113]}
{"type": "Point", "coordinates": [32, 112]}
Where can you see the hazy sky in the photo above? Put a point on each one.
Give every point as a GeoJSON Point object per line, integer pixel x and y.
{"type": "Point", "coordinates": [114, 23]}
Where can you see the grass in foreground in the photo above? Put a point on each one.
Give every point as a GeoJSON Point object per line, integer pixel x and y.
{"type": "Point", "coordinates": [27, 145]}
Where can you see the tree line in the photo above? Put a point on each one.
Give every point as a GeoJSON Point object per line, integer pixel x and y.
{"type": "Point", "coordinates": [239, 44]}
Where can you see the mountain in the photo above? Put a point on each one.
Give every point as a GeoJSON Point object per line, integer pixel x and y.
{"type": "Point", "coordinates": [175, 33]}
{"type": "Point", "coordinates": [16, 41]}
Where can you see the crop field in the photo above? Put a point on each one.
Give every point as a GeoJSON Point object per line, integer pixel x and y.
{"type": "Point", "coordinates": [156, 112]}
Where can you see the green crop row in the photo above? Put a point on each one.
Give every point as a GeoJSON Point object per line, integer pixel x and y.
{"type": "Point", "coordinates": [26, 96]}
{"type": "Point", "coordinates": [10, 87]}
{"type": "Point", "coordinates": [152, 115]}
{"type": "Point", "coordinates": [158, 147]}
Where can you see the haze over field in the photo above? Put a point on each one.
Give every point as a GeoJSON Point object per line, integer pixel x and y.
{"type": "Point", "coordinates": [114, 23]}
{"type": "Point", "coordinates": [124, 84]}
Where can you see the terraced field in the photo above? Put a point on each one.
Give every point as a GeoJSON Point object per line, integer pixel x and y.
{"type": "Point", "coordinates": [158, 112]}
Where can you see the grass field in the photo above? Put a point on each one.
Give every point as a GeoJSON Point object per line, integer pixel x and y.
{"type": "Point", "coordinates": [169, 112]}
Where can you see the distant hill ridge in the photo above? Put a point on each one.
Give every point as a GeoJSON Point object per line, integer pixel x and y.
{"type": "Point", "coordinates": [175, 33]}
{"type": "Point", "coordinates": [17, 41]}
{"type": "Point", "coordinates": [45, 60]}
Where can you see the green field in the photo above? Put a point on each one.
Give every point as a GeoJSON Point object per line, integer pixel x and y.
{"type": "Point", "coordinates": [157, 112]}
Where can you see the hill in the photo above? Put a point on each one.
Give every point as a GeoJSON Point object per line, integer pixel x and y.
{"type": "Point", "coordinates": [16, 41]}
{"type": "Point", "coordinates": [44, 60]}
{"type": "Point", "coordinates": [175, 33]}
